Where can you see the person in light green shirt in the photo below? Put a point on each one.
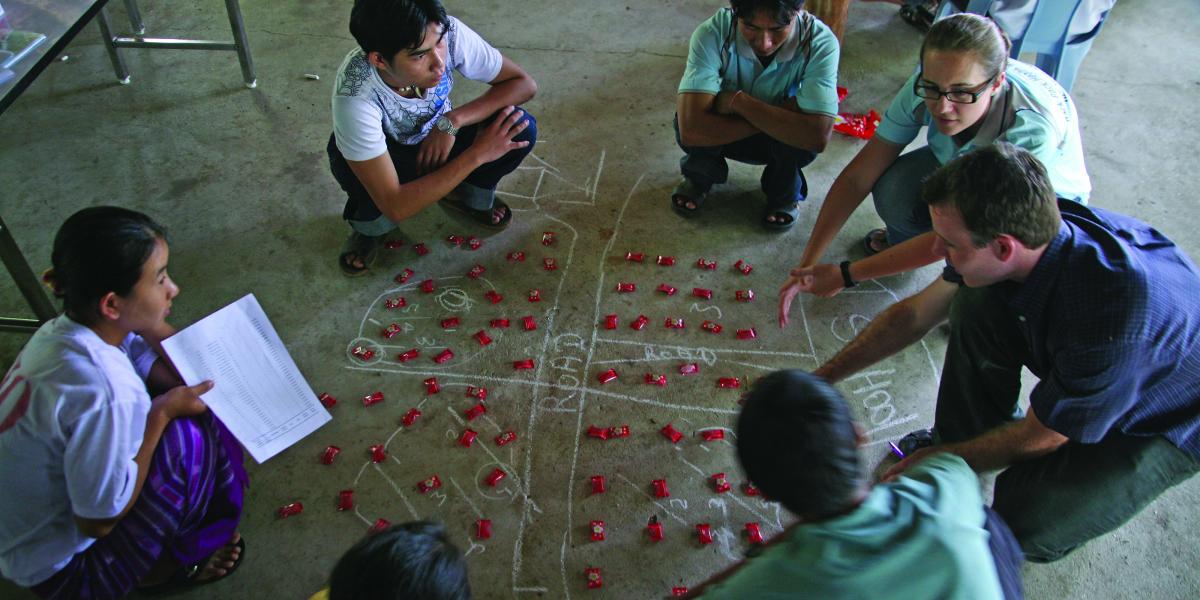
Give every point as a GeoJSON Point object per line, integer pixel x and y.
{"type": "Point", "coordinates": [966, 94]}
{"type": "Point", "coordinates": [760, 87]}
{"type": "Point", "coordinates": [925, 535]}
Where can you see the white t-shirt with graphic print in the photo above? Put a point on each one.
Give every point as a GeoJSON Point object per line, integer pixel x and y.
{"type": "Point", "coordinates": [366, 112]}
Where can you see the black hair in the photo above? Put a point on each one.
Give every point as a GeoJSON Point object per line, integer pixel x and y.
{"type": "Point", "coordinates": [410, 560]}
{"type": "Point", "coordinates": [99, 250]}
{"type": "Point", "coordinates": [782, 10]}
{"type": "Point", "coordinates": [998, 189]}
{"type": "Point", "coordinates": [389, 26]}
{"type": "Point", "coordinates": [797, 443]}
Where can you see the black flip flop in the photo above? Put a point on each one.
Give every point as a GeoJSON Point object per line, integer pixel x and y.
{"type": "Point", "coordinates": [483, 217]}
{"type": "Point", "coordinates": [871, 236]}
{"type": "Point", "coordinates": [362, 247]}
{"type": "Point", "coordinates": [185, 576]}
{"type": "Point", "coordinates": [688, 192]}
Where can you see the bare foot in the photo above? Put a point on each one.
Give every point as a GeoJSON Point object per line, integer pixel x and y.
{"type": "Point", "coordinates": [221, 561]}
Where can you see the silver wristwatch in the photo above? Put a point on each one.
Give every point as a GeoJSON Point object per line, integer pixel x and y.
{"type": "Point", "coordinates": [445, 126]}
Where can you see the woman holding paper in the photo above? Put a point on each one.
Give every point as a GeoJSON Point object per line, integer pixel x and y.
{"type": "Point", "coordinates": [113, 474]}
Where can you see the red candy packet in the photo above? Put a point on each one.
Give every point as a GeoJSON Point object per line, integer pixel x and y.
{"type": "Point", "coordinates": [859, 126]}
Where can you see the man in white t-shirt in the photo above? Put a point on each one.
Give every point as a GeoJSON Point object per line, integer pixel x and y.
{"type": "Point", "coordinates": [398, 145]}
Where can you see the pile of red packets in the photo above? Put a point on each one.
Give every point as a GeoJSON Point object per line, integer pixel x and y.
{"type": "Point", "coordinates": [855, 125]}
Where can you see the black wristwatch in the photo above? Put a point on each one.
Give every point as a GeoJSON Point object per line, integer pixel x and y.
{"type": "Point", "coordinates": [847, 281]}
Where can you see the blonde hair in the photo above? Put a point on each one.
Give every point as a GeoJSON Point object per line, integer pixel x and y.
{"type": "Point", "coordinates": [968, 32]}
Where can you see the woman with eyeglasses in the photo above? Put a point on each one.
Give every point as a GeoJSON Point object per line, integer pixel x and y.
{"type": "Point", "coordinates": [970, 94]}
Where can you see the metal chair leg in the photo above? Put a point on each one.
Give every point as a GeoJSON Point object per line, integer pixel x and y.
{"type": "Point", "coordinates": [114, 55]}
{"type": "Point", "coordinates": [239, 39]}
{"type": "Point", "coordinates": [135, 17]}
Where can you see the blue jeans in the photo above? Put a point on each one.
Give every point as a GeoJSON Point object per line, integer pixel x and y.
{"type": "Point", "coordinates": [1006, 555]}
{"type": "Point", "coordinates": [478, 190]}
{"type": "Point", "coordinates": [897, 195]}
{"type": "Point", "coordinates": [782, 180]}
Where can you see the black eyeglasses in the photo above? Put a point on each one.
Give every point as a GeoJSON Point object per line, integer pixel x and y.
{"type": "Point", "coordinates": [932, 92]}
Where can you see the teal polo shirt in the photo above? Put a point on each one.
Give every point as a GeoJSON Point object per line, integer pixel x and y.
{"type": "Point", "coordinates": [811, 78]}
{"type": "Point", "coordinates": [920, 536]}
{"type": "Point", "coordinates": [1032, 111]}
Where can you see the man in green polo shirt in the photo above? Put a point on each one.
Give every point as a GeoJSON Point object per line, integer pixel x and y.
{"type": "Point", "coordinates": [760, 87]}
{"type": "Point", "coordinates": [924, 535]}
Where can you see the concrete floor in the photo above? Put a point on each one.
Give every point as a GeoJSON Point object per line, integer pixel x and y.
{"type": "Point", "coordinates": [240, 177]}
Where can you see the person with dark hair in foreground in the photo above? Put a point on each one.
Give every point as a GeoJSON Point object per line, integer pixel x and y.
{"type": "Point", "coordinates": [411, 560]}
{"type": "Point", "coordinates": [398, 145]}
{"type": "Point", "coordinates": [925, 535]}
{"type": "Point", "coordinates": [760, 87]}
{"type": "Point", "coordinates": [1099, 306]}
{"type": "Point", "coordinates": [113, 474]}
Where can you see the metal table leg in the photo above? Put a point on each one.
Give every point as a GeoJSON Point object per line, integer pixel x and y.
{"type": "Point", "coordinates": [239, 38]}
{"type": "Point", "coordinates": [114, 55]}
{"type": "Point", "coordinates": [114, 43]}
{"type": "Point", "coordinates": [29, 285]}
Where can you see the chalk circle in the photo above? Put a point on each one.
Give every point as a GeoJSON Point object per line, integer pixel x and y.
{"type": "Point", "coordinates": [487, 491]}
{"type": "Point", "coordinates": [368, 344]}
{"type": "Point", "coordinates": [455, 300]}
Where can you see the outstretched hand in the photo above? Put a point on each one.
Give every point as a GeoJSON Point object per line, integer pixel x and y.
{"type": "Point", "coordinates": [821, 280]}
{"type": "Point", "coordinates": [496, 139]}
{"type": "Point", "coordinates": [798, 282]}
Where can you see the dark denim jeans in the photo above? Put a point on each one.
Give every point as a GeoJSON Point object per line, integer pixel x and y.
{"type": "Point", "coordinates": [782, 180]}
{"type": "Point", "coordinates": [478, 189]}
{"type": "Point", "coordinates": [1057, 502]}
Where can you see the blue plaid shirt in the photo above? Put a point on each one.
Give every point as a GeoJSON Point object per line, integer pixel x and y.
{"type": "Point", "coordinates": [1111, 314]}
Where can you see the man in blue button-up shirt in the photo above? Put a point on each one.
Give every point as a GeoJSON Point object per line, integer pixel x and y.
{"type": "Point", "coordinates": [1100, 307]}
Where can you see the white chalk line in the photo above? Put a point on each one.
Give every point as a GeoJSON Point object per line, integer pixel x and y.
{"type": "Point", "coordinates": [399, 492]}
{"type": "Point", "coordinates": [599, 170]}
{"type": "Point", "coordinates": [545, 164]}
{"type": "Point", "coordinates": [706, 476]}
{"type": "Point", "coordinates": [653, 500]}
{"type": "Point", "coordinates": [574, 460]}
{"type": "Point", "coordinates": [891, 424]}
{"type": "Point", "coordinates": [527, 471]}
{"type": "Point", "coordinates": [812, 348]}
{"type": "Point", "coordinates": [614, 395]}
{"type": "Point", "coordinates": [586, 369]}
{"type": "Point", "coordinates": [562, 565]}
{"type": "Point", "coordinates": [702, 348]}
{"type": "Point", "coordinates": [474, 507]}
{"type": "Point", "coordinates": [400, 288]}
{"type": "Point", "coordinates": [753, 366]}
{"type": "Point", "coordinates": [360, 515]}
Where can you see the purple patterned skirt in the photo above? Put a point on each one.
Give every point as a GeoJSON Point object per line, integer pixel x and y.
{"type": "Point", "coordinates": [189, 507]}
